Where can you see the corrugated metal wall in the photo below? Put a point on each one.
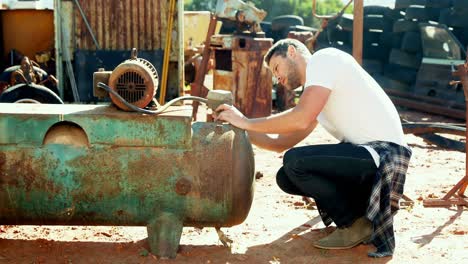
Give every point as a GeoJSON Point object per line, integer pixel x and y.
{"type": "Point", "coordinates": [123, 24]}
{"type": "Point", "coordinates": [120, 25]}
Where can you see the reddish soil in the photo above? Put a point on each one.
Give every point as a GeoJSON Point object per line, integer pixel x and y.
{"type": "Point", "coordinates": [280, 228]}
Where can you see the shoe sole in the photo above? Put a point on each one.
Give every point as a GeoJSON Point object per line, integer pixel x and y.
{"type": "Point", "coordinates": [364, 241]}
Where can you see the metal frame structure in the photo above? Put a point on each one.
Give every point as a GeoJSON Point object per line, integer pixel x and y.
{"type": "Point", "coordinates": [456, 195]}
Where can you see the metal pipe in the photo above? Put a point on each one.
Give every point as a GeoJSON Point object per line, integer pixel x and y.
{"type": "Point", "coordinates": [141, 110]}
{"type": "Point", "coordinates": [83, 16]}
{"type": "Point", "coordinates": [58, 47]}
{"type": "Point", "coordinates": [197, 88]}
{"type": "Point", "coordinates": [328, 17]}
{"type": "Point", "coordinates": [463, 69]}
{"type": "Point", "coordinates": [167, 53]}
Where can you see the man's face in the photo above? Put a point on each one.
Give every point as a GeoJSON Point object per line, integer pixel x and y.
{"type": "Point", "coordinates": [286, 70]}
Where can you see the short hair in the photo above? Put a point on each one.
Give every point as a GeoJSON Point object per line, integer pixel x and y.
{"type": "Point", "coordinates": [280, 48]}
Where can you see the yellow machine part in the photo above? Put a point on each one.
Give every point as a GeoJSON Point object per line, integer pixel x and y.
{"type": "Point", "coordinates": [27, 31]}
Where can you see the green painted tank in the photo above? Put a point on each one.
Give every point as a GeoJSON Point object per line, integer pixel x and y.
{"type": "Point", "coordinates": [95, 165]}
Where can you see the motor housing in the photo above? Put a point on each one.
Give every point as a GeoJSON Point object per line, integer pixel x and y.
{"type": "Point", "coordinates": [135, 80]}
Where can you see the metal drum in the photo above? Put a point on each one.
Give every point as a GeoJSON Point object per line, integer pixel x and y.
{"type": "Point", "coordinates": [95, 165]}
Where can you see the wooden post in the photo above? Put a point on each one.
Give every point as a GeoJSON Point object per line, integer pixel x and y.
{"type": "Point", "coordinates": [358, 29]}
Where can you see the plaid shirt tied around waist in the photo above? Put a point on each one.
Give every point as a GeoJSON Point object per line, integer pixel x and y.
{"type": "Point", "coordinates": [387, 190]}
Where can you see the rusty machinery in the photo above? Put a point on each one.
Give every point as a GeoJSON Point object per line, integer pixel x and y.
{"type": "Point", "coordinates": [133, 84]}
{"type": "Point", "coordinates": [135, 80]}
{"type": "Point", "coordinates": [238, 59]}
{"type": "Point", "coordinates": [27, 82]}
{"type": "Point", "coordinates": [97, 165]}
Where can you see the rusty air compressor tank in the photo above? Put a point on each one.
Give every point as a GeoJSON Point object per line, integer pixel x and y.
{"type": "Point", "coordinates": [97, 165]}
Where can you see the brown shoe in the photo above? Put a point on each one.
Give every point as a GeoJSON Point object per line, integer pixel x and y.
{"type": "Point", "coordinates": [343, 238]}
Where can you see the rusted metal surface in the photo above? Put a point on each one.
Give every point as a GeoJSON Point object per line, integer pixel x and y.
{"type": "Point", "coordinates": [301, 36]}
{"type": "Point", "coordinates": [240, 11]}
{"type": "Point", "coordinates": [135, 80]}
{"type": "Point", "coordinates": [197, 88]}
{"type": "Point", "coordinates": [162, 172]}
{"type": "Point", "coordinates": [427, 107]}
{"type": "Point", "coordinates": [423, 128]}
{"type": "Point", "coordinates": [426, 99]}
{"type": "Point", "coordinates": [123, 25]}
{"type": "Point", "coordinates": [239, 69]}
{"type": "Point", "coordinates": [427, 104]}
{"type": "Point", "coordinates": [27, 31]}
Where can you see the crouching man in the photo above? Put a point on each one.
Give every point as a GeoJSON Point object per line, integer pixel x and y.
{"type": "Point", "coordinates": [356, 183]}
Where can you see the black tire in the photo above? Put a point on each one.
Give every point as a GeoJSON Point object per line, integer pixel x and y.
{"type": "Point", "coordinates": [284, 22]}
{"type": "Point", "coordinates": [416, 12]}
{"type": "Point", "coordinates": [403, 25]}
{"type": "Point", "coordinates": [405, 59]}
{"type": "Point", "coordinates": [280, 25]}
{"type": "Point", "coordinates": [227, 27]}
{"type": "Point", "coordinates": [460, 4]}
{"type": "Point", "coordinates": [407, 3]}
{"type": "Point", "coordinates": [388, 83]}
{"type": "Point", "coordinates": [395, 14]}
{"type": "Point", "coordinates": [376, 10]}
{"type": "Point", "coordinates": [340, 35]}
{"type": "Point", "coordinates": [373, 66]}
{"type": "Point", "coordinates": [458, 18]}
{"type": "Point", "coordinates": [433, 14]}
{"type": "Point", "coordinates": [411, 42]}
{"type": "Point", "coordinates": [299, 28]}
{"type": "Point", "coordinates": [32, 91]}
{"type": "Point", "coordinates": [391, 40]}
{"type": "Point", "coordinates": [324, 37]}
{"type": "Point", "coordinates": [444, 16]}
{"type": "Point", "coordinates": [462, 35]}
{"type": "Point", "coordinates": [346, 22]}
{"type": "Point", "coordinates": [343, 46]}
{"type": "Point", "coordinates": [439, 3]}
{"type": "Point", "coordinates": [400, 73]}
{"type": "Point", "coordinates": [6, 74]}
{"type": "Point", "coordinates": [266, 27]}
{"type": "Point", "coordinates": [5, 77]}
{"type": "Point", "coordinates": [374, 51]}
{"type": "Point", "coordinates": [377, 22]}
{"type": "Point", "coordinates": [372, 37]}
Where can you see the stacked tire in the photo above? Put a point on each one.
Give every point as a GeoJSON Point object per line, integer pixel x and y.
{"type": "Point", "coordinates": [338, 34]}
{"type": "Point", "coordinates": [455, 15]}
{"type": "Point", "coordinates": [406, 48]}
{"type": "Point", "coordinates": [406, 52]}
{"type": "Point", "coordinates": [280, 25]}
{"type": "Point", "coordinates": [377, 27]}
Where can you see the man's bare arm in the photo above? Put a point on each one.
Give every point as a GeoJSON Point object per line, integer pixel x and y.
{"type": "Point", "coordinates": [299, 118]}
{"type": "Point", "coordinates": [281, 142]}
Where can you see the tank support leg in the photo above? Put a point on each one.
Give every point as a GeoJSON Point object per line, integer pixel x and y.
{"type": "Point", "coordinates": [164, 234]}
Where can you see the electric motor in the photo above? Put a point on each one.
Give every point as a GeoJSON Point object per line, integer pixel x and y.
{"type": "Point", "coordinates": [135, 80]}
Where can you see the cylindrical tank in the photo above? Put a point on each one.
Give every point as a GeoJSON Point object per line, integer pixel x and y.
{"type": "Point", "coordinates": [94, 165]}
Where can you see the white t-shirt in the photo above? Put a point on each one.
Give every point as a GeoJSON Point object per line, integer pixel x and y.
{"type": "Point", "coordinates": [358, 110]}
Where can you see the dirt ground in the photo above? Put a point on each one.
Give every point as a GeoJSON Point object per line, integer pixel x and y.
{"type": "Point", "coordinates": [280, 228]}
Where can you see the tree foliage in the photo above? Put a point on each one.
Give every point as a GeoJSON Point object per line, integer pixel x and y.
{"type": "Point", "coordinates": [302, 8]}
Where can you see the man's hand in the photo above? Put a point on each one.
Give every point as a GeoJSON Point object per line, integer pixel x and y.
{"type": "Point", "coordinates": [231, 115]}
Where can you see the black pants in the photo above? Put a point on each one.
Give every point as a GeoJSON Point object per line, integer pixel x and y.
{"type": "Point", "coordinates": [338, 176]}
